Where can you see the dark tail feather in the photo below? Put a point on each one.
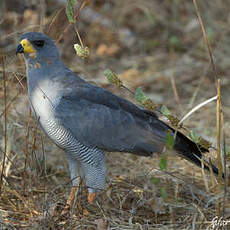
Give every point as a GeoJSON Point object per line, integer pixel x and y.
{"type": "Point", "coordinates": [191, 151]}
{"type": "Point", "coordinates": [183, 145]}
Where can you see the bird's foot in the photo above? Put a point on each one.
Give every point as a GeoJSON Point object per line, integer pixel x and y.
{"type": "Point", "coordinates": [91, 197]}
{"type": "Point", "coordinates": [69, 201]}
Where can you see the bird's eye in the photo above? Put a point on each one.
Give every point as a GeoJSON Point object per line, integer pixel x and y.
{"type": "Point", "coordinates": [39, 43]}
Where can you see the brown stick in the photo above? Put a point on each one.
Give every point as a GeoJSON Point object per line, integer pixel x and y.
{"type": "Point", "coordinates": [219, 131]}
{"type": "Point", "coordinates": [5, 124]}
{"type": "Point", "coordinates": [218, 116]}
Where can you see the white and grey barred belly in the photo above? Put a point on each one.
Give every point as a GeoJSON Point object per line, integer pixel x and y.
{"type": "Point", "coordinates": [91, 159]}
{"type": "Point", "coordinates": [76, 150]}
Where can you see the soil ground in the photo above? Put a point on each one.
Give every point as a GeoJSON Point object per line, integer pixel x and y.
{"type": "Point", "coordinates": [157, 45]}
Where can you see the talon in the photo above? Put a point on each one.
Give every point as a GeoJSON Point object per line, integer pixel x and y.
{"type": "Point", "coordinates": [91, 197]}
{"type": "Point", "coordinates": [70, 200]}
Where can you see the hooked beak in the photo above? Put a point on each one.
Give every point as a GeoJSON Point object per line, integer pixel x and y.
{"type": "Point", "coordinates": [25, 47]}
{"type": "Point", "coordinates": [19, 49]}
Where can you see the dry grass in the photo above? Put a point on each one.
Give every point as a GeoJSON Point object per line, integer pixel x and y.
{"type": "Point", "coordinates": [166, 54]}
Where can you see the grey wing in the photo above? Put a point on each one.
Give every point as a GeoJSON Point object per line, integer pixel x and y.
{"type": "Point", "coordinates": [98, 118]}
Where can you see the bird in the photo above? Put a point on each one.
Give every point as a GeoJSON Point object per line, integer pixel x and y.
{"type": "Point", "coordinates": [86, 120]}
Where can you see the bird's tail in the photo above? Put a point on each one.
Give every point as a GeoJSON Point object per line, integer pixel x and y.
{"type": "Point", "coordinates": [191, 151]}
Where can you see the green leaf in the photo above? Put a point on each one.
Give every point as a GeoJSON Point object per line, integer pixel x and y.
{"type": "Point", "coordinates": [70, 10]}
{"type": "Point", "coordinates": [170, 140]}
{"type": "Point", "coordinates": [165, 111]}
{"type": "Point", "coordinates": [227, 150]}
{"type": "Point", "coordinates": [155, 180]}
{"type": "Point", "coordinates": [210, 33]}
{"type": "Point", "coordinates": [174, 40]}
{"type": "Point", "coordinates": [108, 73]}
{"type": "Point", "coordinates": [163, 162]}
{"type": "Point", "coordinates": [163, 193]}
{"type": "Point", "coordinates": [194, 136]}
{"type": "Point", "coordinates": [82, 52]}
{"type": "Point", "coordinates": [112, 78]}
{"type": "Point", "coordinates": [140, 96]}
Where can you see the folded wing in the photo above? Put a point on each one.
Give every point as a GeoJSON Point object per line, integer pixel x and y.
{"type": "Point", "coordinates": [98, 118]}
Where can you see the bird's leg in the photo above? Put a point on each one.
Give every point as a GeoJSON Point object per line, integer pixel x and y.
{"type": "Point", "coordinates": [75, 185]}
{"type": "Point", "coordinates": [70, 200]}
{"type": "Point", "coordinates": [95, 175]}
{"type": "Point", "coordinates": [91, 195]}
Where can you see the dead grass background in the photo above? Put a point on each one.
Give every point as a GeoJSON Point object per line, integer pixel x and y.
{"type": "Point", "coordinates": [154, 44]}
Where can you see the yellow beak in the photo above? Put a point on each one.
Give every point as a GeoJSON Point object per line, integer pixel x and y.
{"type": "Point", "coordinates": [27, 46]}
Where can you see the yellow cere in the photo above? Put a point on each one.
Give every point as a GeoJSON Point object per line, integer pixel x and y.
{"type": "Point", "coordinates": [28, 48]}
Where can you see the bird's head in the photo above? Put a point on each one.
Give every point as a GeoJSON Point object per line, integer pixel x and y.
{"type": "Point", "coordinates": [37, 46]}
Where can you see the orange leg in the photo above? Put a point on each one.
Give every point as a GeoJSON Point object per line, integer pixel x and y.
{"type": "Point", "coordinates": [70, 200]}
{"type": "Point", "coordinates": [91, 197]}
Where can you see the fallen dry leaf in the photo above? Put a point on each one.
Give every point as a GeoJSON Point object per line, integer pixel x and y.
{"type": "Point", "coordinates": [101, 224]}
{"type": "Point", "coordinates": [105, 50]}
